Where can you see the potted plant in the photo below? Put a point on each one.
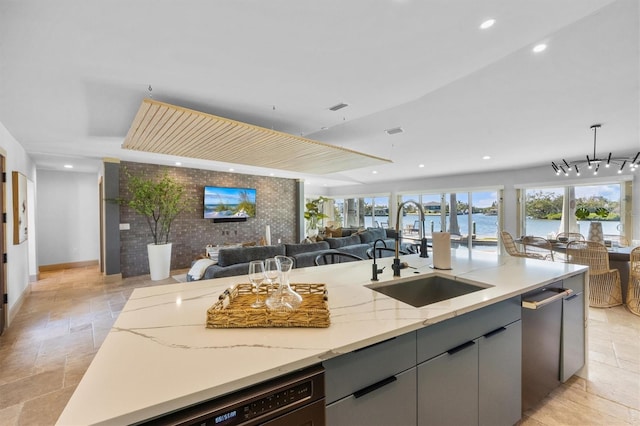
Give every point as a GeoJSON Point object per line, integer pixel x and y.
{"type": "Point", "coordinates": [314, 214]}
{"type": "Point", "coordinates": [160, 201]}
{"type": "Point", "coordinates": [595, 227]}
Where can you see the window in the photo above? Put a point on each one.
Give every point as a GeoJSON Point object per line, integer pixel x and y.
{"type": "Point", "coordinates": [456, 213]}
{"type": "Point", "coordinates": [549, 211]}
{"type": "Point", "coordinates": [361, 212]}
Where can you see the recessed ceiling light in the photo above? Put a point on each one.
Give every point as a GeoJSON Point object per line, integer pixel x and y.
{"type": "Point", "coordinates": [178, 163]}
{"type": "Point", "coordinates": [231, 170]}
{"type": "Point", "coordinates": [68, 166]}
{"type": "Point", "coordinates": [539, 48]}
{"type": "Point", "coordinates": [272, 174]}
{"type": "Point", "coordinates": [486, 157]}
{"type": "Point", "coordinates": [375, 172]}
{"type": "Point", "coordinates": [487, 24]}
{"type": "Point", "coordinates": [421, 165]}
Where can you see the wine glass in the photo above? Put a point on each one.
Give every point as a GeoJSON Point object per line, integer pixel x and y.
{"type": "Point", "coordinates": [256, 275]}
{"type": "Point", "coordinates": [271, 272]}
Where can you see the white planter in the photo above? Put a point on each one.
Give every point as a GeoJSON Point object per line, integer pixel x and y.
{"type": "Point", "coordinates": [159, 261]}
{"type": "Point", "coordinates": [595, 232]}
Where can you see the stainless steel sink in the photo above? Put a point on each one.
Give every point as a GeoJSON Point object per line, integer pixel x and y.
{"type": "Point", "coordinates": [425, 290]}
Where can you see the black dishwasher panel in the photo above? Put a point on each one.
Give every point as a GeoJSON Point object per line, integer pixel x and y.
{"type": "Point", "coordinates": [541, 340]}
{"type": "Point", "coordinates": [292, 400]}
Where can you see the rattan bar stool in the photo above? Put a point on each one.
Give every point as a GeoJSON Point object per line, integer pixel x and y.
{"type": "Point", "coordinates": [605, 289]}
{"type": "Point", "coordinates": [633, 292]}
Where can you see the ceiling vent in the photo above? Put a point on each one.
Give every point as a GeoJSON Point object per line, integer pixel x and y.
{"type": "Point", "coordinates": [394, 131]}
{"type": "Point", "coordinates": [339, 106]}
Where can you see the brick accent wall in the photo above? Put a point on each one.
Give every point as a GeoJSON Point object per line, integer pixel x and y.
{"type": "Point", "coordinates": [190, 233]}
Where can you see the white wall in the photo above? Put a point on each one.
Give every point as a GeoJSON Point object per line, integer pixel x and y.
{"type": "Point", "coordinates": [67, 220]}
{"type": "Point", "coordinates": [17, 279]}
{"type": "Point", "coordinates": [508, 179]}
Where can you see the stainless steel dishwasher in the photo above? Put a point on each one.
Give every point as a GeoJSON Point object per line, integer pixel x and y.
{"type": "Point", "coordinates": [541, 342]}
{"type": "Point", "coordinates": [295, 399]}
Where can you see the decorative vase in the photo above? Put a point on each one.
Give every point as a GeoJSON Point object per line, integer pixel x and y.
{"type": "Point", "coordinates": [159, 261]}
{"type": "Point", "coordinates": [595, 232]}
{"type": "Point", "coordinates": [284, 298]}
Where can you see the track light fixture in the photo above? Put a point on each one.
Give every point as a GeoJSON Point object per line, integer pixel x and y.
{"type": "Point", "coordinates": [565, 167]}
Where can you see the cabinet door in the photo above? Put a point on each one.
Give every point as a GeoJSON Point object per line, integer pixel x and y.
{"type": "Point", "coordinates": [448, 387]}
{"type": "Point", "coordinates": [572, 352]}
{"type": "Point", "coordinates": [391, 402]}
{"type": "Point", "coordinates": [500, 378]}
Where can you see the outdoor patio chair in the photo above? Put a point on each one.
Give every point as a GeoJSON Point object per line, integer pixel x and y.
{"type": "Point", "coordinates": [511, 248]}
{"type": "Point", "coordinates": [633, 292]}
{"type": "Point", "coordinates": [605, 289]}
{"type": "Point", "coordinates": [538, 245]}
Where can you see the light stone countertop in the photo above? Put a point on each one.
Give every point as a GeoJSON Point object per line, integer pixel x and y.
{"type": "Point", "coordinates": [159, 357]}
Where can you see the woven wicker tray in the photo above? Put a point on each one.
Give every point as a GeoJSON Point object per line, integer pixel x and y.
{"type": "Point", "coordinates": [233, 309]}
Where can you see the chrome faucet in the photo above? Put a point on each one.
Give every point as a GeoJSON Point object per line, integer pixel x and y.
{"type": "Point", "coordinates": [374, 267]}
{"type": "Point", "coordinates": [423, 240]}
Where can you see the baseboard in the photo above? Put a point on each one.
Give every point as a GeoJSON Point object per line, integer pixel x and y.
{"type": "Point", "coordinates": [70, 265]}
{"type": "Point", "coordinates": [13, 311]}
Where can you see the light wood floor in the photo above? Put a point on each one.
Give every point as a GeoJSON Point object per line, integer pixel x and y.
{"type": "Point", "coordinates": [63, 322]}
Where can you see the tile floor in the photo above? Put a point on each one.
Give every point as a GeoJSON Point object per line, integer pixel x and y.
{"type": "Point", "coordinates": [62, 323]}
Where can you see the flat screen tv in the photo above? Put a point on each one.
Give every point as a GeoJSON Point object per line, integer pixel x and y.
{"type": "Point", "coordinates": [223, 204]}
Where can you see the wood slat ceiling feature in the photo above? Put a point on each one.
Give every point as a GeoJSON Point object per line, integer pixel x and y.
{"type": "Point", "coordinates": [163, 128]}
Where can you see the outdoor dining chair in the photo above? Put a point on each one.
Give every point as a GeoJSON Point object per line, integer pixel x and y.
{"type": "Point", "coordinates": [633, 292]}
{"type": "Point", "coordinates": [605, 289]}
{"type": "Point", "coordinates": [538, 245]}
{"type": "Point", "coordinates": [511, 248]}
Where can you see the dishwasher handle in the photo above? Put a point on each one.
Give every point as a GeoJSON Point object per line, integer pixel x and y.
{"type": "Point", "coordinates": [537, 304]}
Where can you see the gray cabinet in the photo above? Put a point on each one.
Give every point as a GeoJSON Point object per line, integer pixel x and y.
{"type": "Point", "coordinates": [573, 329]}
{"type": "Point", "coordinates": [462, 371]}
{"type": "Point", "coordinates": [389, 402]}
{"type": "Point", "coordinates": [375, 385]}
{"type": "Point", "coordinates": [470, 372]}
{"type": "Point", "coordinates": [448, 387]}
{"type": "Point", "coordinates": [499, 394]}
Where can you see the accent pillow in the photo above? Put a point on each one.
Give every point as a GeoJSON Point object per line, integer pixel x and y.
{"type": "Point", "coordinates": [199, 267]}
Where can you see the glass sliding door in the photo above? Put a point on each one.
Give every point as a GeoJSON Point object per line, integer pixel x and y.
{"type": "Point", "coordinates": [432, 204]}
{"type": "Point", "coordinates": [485, 211]}
{"type": "Point", "coordinates": [376, 212]}
{"type": "Point", "coordinates": [381, 212]}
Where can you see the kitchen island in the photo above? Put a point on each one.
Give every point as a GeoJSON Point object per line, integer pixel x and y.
{"type": "Point", "coordinates": [159, 357]}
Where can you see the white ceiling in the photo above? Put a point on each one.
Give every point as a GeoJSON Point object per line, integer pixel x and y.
{"type": "Point", "coordinates": [74, 72]}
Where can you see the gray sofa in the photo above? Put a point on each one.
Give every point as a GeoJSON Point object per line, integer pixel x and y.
{"type": "Point", "coordinates": [304, 254]}
{"type": "Point", "coordinates": [235, 261]}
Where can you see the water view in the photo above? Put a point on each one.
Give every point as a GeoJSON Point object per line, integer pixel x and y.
{"type": "Point", "coordinates": [486, 226]}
